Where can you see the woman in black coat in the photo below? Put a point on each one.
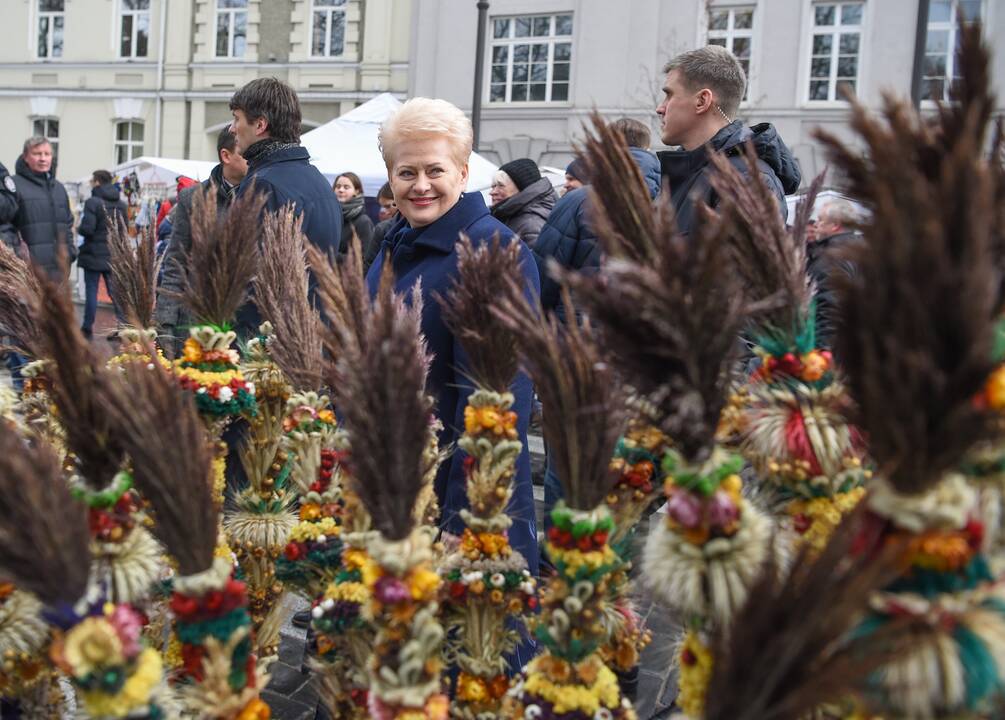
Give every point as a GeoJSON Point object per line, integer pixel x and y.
{"type": "Point", "coordinates": [349, 191]}
{"type": "Point", "coordinates": [95, 259]}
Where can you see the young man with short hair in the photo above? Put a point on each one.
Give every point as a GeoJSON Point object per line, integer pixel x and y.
{"type": "Point", "coordinates": [169, 315]}
{"type": "Point", "coordinates": [702, 93]}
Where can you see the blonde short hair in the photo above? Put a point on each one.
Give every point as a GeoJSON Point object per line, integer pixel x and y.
{"type": "Point", "coordinates": [424, 118]}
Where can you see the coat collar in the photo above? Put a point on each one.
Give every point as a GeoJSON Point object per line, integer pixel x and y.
{"type": "Point", "coordinates": [442, 235]}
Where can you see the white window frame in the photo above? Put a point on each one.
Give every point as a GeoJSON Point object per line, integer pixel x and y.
{"type": "Point", "coordinates": [50, 16]}
{"type": "Point", "coordinates": [331, 11]}
{"type": "Point", "coordinates": [512, 40]}
{"type": "Point", "coordinates": [731, 33]}
{"type": "Point", "coordinates": [835, 31]}
{"type": "Point", "coordinates": [134, 148]}
{"type": "Point", "coordinates": [952, 26]}
{"type": "Point", "coordinates": [45, 120]}
{"type": "Point", "coordinates": [135, 14]}
{"type": "Point", "coordinates": [231, 23]}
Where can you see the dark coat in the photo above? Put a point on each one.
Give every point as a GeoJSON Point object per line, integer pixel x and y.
{"type": "Point", "coordinates": [371, 251]}
{"type": "Point", "coordinates": [105, 205]}
{"type": "Point", "coordinates": [43, 218]}
{"type": "Point", "coordinates": [8, 209]}
{"type": "Point", "coordinates": [287, 177]}
{"type": "Point", "coordinates": [823, 265]}
{"type": "Point", "coordinates": [687, 171]}
{"type": "Point", "coordinates": [649, 164]}
{"type": "Point", "coordinates": [354, 218]}
{"type": "Point", "coordinates": [430, 254]}
{"type": "Point", "coordinates": [526, 212]}
{"type": "Point", "coordinates": [169, 314]}
{"type": "Point", "coordinates": [569, 238]}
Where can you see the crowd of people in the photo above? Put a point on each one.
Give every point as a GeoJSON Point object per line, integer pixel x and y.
{"type": "Point", "coordinates": [424, 211]}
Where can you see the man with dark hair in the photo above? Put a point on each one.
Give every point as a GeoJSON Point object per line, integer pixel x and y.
{"type": "Point", "coordinates": [702, 93]}
{"type": "Point", "coordinates": [388, 216]}
{"type": "Point", "coordinates": [104, 207]}
{"type": "Point", "coordinates": [169, 315]}
{"type": "Point", "coordinates": [43, 216]}
{"type": "Point", "coordinates": [267, 127]}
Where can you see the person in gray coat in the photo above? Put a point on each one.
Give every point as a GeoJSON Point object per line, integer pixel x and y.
{"type": "Point", "coordinates": [522, 199]}
{"type": "Point", "coordinates": [43, 217]}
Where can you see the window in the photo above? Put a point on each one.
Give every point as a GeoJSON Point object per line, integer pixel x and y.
{"type": "Point", "coordinates": [50, 28]}
{"type": "Point", "coordinates": [128, 140]}
{"type": "Point", "coordinates": [837, 37]}
{"type": "Point", "coordinates": [327, 28]}
{"type": "Point", "coordinates": [945, 18]}
{"type": "Point", "coordinates": [49, 129]}
{"type": "Point", "coordinates": [733, 29]}
{"type": "Point", "coordinates": [231, 28]}
{"type": "Point", "coordinates": [135, 28]}
{"type": "Point", "coordinates": [531, 58]}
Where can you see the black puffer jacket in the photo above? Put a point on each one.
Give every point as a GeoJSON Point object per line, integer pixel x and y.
{"type": "Point", "coordinates": [43, 218]}
{"type": "Point", "coordinates": [526, 212]}
{"type": "Point", "coordinates": [8, 209]}
{"type": "Point", "coordinates": [687, 171]}
{"type": "Point", "coordinates": [104, 206]}
{"type": "Point", "coordinates": [355, 219]}
{"type": "Point", "coordinates": [824, 264]}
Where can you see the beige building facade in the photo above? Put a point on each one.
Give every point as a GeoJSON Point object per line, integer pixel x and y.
{"type": "Point", "coordinates": [549, 63]}
{"type": "Point", "coordinates": [110, 80]}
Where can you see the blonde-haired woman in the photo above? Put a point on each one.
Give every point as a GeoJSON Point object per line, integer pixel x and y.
{"type": "Point", "coordinates": [426, 146]}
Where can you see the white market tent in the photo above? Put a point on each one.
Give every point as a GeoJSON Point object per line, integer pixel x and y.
{"type": "Point", "coordinates": [349, 144]}
{"type": "Point", "coordinates": [161, 171]}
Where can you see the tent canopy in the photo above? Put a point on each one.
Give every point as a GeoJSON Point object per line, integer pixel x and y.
{"type": "Point", "coordinates": [162, 171]}
{"type": "Point", "coordinates": [349, 144]}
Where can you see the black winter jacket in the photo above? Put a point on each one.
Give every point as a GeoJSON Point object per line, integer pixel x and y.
{"type": "Point", "coordinates": [823, 264]}
{"type": "Point", "coordinates": [43, 218]}
{"type": "Point", "coordinates": [687, 171]}
{"type": "Point", "coordinates": [354, 217]}
{"type": "Point", "coordinates": [569, 238]}
{"type": "Point", "coordinates": [105, 205]}
{"type": "Point", "coordinates": [169, 313]}
{"type": "Point", "coordinates": [8, 209]}
{"type": "Point", "coordinates": [526, 212]}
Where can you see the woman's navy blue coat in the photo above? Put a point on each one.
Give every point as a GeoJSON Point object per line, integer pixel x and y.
{"type": "Point", "coordinates": [430, 254]}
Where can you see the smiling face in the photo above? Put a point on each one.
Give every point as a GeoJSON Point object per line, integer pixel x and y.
{"type": "Point", "coordinates": [344, 189]}
{"type": "Point", "coordinates": [426, 179]}
{"type": "Point", "coordinates": [571, 183]}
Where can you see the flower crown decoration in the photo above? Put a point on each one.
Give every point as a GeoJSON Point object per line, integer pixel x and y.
{"type": "Point", "coordinates": [919, 325]}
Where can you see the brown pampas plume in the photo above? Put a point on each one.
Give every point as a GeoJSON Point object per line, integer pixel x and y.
{"type": "Point", "coordinates": [467, 310]}
{"type": "Point", "coordinates": [77, 375]}
{"type": "Point", "coordinates": [381, 393]}
{"type": "Point", "coordinates": [134, 274]}
{"type": "Point", "coordinates": [44, 541]}
{"type": "Point", "coordinates": [281, 295]}
{"type": "Point", "coordinates": [585, 404]}
{"type": "Point", "coordinates": [791, 648]}
{"type": "Point", "coordinates": [344, 296]}
{"type": "Point", "coordinates": [671, 322]}
{"type": "Point", "coordinates": [155, 418]}
{"type": "Point", "coordinates": [770, 260]}
{"type": "Point", "coordinates": [917, 317]}
{"type": "Point", "coordinates": [223, 257]}
{"type": "Point", "coordinates": [19, 291]}
{"type": "Point", "coordinates": [630, 233]}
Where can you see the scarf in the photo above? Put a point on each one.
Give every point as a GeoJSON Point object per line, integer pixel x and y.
{"type": "Point", "coordinates": [263, 148]}
{"type": "Point", "coordinates": [353, 208]}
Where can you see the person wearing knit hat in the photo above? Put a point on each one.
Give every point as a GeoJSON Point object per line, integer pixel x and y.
{"type": "Point", "coordinates": [576, 175]}
{"type": "Point", "coordinates": [521, 198]}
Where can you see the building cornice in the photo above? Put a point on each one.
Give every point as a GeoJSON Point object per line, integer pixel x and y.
{"type": "Point", "coordinates": [184, 95]}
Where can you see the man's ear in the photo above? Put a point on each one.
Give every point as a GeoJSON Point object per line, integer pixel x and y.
{"type": "Point", "coordinates": [704, 101]}
{"type": "Point", "coordinates": [261, 126]}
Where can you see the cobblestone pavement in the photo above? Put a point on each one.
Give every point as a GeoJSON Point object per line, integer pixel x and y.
{"type": "Point", "coordinates": [290, 692]}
